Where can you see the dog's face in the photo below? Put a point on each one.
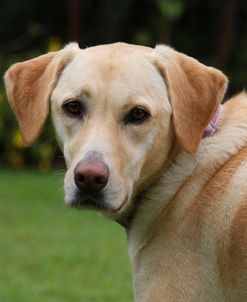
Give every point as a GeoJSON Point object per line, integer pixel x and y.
{"type": "Point", "coordinates": [116, 110]}
{"type": "Point", "coordinates": [111, 122]}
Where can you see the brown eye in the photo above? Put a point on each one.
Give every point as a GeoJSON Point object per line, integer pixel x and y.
{"type": "Point", "coordinates": [73, 108]}
{"type": "Point", "coordinates": [137, 115]}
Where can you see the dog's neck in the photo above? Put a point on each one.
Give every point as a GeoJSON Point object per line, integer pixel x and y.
{"type": "Point", "coordinates": [213, 152]}
{"type": "Point", "coordinates": [127, 220]}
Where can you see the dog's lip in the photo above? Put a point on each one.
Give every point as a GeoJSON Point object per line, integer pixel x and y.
{"type": "Point", "coordinates": [88, 203]}
{"type": "Point", "coordinates": [97, 204]}
{"type": "Point", "coordinates": [120, 208]}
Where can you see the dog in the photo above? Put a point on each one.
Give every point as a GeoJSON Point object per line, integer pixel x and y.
{"type": "Point", "coordinates": [148, 143]}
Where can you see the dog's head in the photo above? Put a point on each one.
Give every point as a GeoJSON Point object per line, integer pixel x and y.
{"type": "Point", "coordinates": [117, 111]}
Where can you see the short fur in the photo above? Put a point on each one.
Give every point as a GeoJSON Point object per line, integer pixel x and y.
{"type": "Point", "coordinates": [182, 197]}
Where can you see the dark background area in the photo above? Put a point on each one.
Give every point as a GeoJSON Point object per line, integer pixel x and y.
{"type": "Point", "coordinates": [213, 31]}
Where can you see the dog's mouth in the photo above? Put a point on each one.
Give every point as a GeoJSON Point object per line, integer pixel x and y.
{"type": "Point", "coordinates": [90, 200]}
{"type": "Point", "coordinates": [97, 202]}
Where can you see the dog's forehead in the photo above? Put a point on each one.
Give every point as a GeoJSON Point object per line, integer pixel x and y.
{"type": "Point", "coordinates": [111, 68]}
{"type": "Point", "coordinates": [109, 62]}
{"type": "Point", "coordinates": [115, 73]}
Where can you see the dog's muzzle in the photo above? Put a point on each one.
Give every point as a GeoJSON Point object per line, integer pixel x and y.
{"type": "Point", "coordinates": [90, 177]}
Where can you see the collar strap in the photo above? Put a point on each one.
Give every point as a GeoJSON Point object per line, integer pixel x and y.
{"type": "Point", "coordinates": [212, 126]}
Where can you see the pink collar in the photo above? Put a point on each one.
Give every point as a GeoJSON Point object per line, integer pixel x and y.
{"type": "Point", "coordinates": [212, 126]}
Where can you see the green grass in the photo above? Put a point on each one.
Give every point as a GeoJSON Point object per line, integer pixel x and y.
{"type": "Point", "coordinates": [49, 253]}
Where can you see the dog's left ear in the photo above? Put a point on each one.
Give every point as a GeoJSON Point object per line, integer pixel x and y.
{"type": "Point", "coordinates": [195, 92]}
{"type": "Point", "coordinates": [29, 86]}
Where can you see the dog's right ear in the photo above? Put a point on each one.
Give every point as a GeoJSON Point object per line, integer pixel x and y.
{"type": "Point", "coordinates": [29, 86]}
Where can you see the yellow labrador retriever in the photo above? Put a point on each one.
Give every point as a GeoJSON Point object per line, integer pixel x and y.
{"type": "Point", "coordinates": [147, 142]}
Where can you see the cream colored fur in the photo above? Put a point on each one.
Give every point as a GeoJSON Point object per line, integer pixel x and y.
{"type": "Point", "coordinates": [190, 270]}
{"type": "Point", "coordinates": [183, 197]}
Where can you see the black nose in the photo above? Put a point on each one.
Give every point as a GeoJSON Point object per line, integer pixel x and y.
{"type": "Point", "coordinates": [91, 175]}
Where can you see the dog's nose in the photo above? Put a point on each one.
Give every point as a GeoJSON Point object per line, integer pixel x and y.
{"type": "Point", "coordinates": [91, 175]}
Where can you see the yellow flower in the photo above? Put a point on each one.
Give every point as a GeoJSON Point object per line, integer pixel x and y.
{"type": "Point", "coordinates": [46, 151]}
{"type": "Point", "coordinates": [45, 165]}
{"type": "Point", "coordinates": [54, 44]}
{"type": "Point", "coordinates": [17, 140]}
{"type": "Point", "coordinates": [16, 160]}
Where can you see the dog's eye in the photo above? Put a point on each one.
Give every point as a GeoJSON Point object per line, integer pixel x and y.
{"type": "Point", "coordinates": [73, 108]}
{"type": "Point", "coordinates": [137, 115]}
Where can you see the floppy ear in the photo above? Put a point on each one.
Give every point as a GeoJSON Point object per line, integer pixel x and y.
{"type": "Point", "coordinates": [195, 92]}
{"type": "Point", "coordinates": [29, 86]}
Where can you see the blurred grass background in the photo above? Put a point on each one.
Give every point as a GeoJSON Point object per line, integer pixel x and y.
{"type": "Point", "coordinates": [54, 254]}
{"type": "Point", "coordinates": [49, 252]}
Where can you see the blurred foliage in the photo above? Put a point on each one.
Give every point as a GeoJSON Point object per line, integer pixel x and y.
{"type": "Point", "coordinates": [213, 31]}
{"type": "Point", "coordinates": [13, 151]}
{"type": "Point", "coordinates": [171, 9]}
